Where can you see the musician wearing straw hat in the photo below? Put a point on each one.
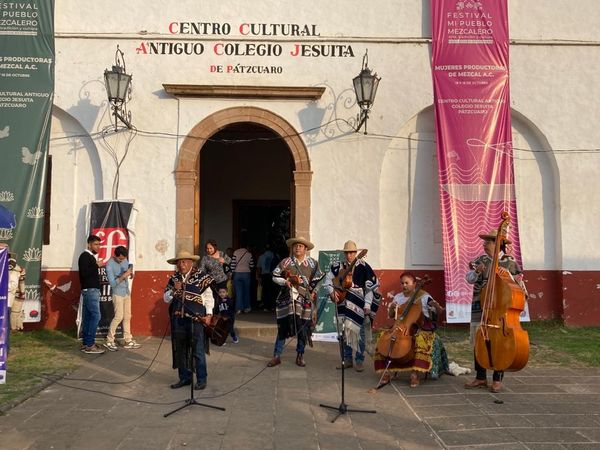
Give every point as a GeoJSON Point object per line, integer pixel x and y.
{"type": "Point", "coordinates": [355, 309]}
{"type": "Point", "coordinates": [298, 276]}
{"type": "Point", "coordinates": [191, 303]}
{"type": "Point", "coordinates": [478, 277]}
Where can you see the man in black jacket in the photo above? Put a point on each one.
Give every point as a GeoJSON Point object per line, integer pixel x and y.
{"type": "Point", "coordinates": [90, 295]}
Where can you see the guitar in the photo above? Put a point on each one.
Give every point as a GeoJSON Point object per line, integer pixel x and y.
{"type": "Point", "coordinates": [343, 281]}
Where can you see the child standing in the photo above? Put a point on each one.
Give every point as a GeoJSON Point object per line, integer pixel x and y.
{"type": "Point", "coordinates": [226, 307]}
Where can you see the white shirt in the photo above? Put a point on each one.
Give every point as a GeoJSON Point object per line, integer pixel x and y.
{"type": "Point", "coordinates": [400, 299]}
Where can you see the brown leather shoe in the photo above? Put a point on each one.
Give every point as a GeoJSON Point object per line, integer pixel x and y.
{"type": "Point", "coordinates": [476, 384]}
{"type": "Point", "coordinates": [274, 362]}
{"type": "Point", "coordinates": [300, 360]}
{"type": "Point", "coordinates": [496, 386]}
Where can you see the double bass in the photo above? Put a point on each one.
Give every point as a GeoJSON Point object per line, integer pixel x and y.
{"type": "Point", "coordinates": [500, 342]}
{"type": "Point", "coordinates": [397, 343]}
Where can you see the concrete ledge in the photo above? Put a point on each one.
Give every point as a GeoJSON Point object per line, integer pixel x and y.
{"type": "Point", "coordinates": [256, 324]}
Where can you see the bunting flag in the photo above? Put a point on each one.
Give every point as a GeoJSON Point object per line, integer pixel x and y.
{"type": "Point", "coordinates": [473, 133]}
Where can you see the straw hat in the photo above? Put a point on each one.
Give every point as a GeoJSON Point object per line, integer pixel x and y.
{"type": "Point", "coordinates": [183, 254]}
{"type": "Point", "coordinates": [350, 246]}
{"type": "Point", "coordinates": [300, 240]}
{"type": "Point", "coordinates": [491, 236]}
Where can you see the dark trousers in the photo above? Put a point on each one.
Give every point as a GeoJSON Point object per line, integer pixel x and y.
{"type": "Point", "coordinates": [231, 326]}
{"type": "Point", "coordinates": [481, 373]}
{"type": "Point", "coordinates": [268, 291]}
{"type": "Point", "coordinates": [189, 338]}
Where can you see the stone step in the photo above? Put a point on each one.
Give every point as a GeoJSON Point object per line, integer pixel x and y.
{"type": "Point", "coordinates": [256, 323]}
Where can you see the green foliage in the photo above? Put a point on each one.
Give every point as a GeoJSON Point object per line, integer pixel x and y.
{"type": "Point", "coordinates": [35, 354]}
{"type": "Point", "coordinates": [568, 346]}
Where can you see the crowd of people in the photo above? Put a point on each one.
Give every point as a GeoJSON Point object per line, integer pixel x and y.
{"type": "Point", "coordinates": [219, 284]}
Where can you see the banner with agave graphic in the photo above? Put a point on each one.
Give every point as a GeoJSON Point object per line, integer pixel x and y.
{"type": "Point", "coordinates": [26, 94]}
{"type": "Point", "coordinates": [325, 328]}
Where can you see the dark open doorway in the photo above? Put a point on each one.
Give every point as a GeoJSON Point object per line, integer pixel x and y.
{"type": "Point", "coordinates": [245, 187]}
{"type": "Point", "coordinates": [261, 222]}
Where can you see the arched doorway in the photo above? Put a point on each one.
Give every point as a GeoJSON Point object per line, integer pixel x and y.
{"type": "Point", "coordinates": [187, 175]}
{"type": "Point", "coordinates": [246, 174]}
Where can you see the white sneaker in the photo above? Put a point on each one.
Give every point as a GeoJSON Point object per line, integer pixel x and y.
{"type": "Point", "coordinates": [111, 346]}
{"type": "Point", "coordinates": [131, 344]}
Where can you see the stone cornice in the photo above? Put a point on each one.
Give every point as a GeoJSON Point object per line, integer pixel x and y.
{"type": "Point", "coordinates": [222, 91]}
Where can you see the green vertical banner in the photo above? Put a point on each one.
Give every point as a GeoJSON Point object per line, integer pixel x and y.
{"type": "Point", "coordinates": [26, 95]}
{"type": "Point", "coordinates": [325, 329]}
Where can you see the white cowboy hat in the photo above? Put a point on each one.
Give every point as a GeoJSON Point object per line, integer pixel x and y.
{"type": "Point", "coordinates": [300, 240]}
{"type": "Point", "coordinates": [183, 254]}
{"type": "Point", "coordinates": [350, 246]}
{"type": "Point", "coordinates": [491, 236]}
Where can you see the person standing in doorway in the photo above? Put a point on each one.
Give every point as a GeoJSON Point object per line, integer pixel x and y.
{"type": "Point", "coordinates": [217, 265]}
{"type": "Point", "coordinates": [89, 279]}
{"type": "Point", "coordinates": [264, 271]}
{"type": "Point", "coordinates": [118, 271]}
{"type": "Point", "coordinates": [242, 265]}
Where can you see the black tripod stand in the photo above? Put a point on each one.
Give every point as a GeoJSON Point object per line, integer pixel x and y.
{"type": "Point", "coordinates": [343, 407]}
{"type": "Point", "coordinates": [192, 401]}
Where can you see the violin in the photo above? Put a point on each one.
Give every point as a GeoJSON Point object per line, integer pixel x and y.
{"type": "Point", "coordinates": [343, 281]}
{"type": "Point", "coordinates": [294, 279]}
{"type": "Point", "coordinates": [298, 282]}
{"type": "Point", "coordinates": [500, 342]}
{"type": "Point", "coordinates": [398, 342]}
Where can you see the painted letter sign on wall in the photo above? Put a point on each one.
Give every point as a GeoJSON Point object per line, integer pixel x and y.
{"type": "Point", "coordinates": [473, 131]}
{"type": "Point", "coordinates": [26, 94]}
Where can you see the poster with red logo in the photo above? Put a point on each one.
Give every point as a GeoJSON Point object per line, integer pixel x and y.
{"type": "Point", "coordinates": [112, 222]}
{"type": "Point", "coordinates": [474, 140]}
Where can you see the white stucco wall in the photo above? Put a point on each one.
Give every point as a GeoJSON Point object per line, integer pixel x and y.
{"type": "Point", "coordinates": [361, 184]}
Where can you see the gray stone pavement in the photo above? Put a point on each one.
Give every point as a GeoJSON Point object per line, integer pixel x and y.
{"type": "Point", "coordinates": [278, 408]}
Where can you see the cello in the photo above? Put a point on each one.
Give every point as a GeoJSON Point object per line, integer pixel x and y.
{"type": "Point", "coordinates": [397, 343]}
{"type": "Point", "coordinates": [500, 342]}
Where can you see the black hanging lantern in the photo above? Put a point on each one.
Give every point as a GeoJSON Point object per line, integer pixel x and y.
{"type": "Point", "coordinates": [118, 88]}
{"type": "Point", "coordinates": [365, 87]}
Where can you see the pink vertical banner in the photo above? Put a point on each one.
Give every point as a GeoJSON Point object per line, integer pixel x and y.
{"type": "Point", "coordinates": [473, 133]}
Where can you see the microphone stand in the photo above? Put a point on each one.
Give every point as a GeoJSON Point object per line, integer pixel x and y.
{"type": "Point", "coordinates": [343, 407]}
{"type": "Point", "coordinates": [192, 401]}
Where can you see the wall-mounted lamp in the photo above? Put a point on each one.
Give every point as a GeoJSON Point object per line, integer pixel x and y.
{"type": "Point", "coordinates": [365, 87]}
{"type": "Point", "coordinates": [118, 89]}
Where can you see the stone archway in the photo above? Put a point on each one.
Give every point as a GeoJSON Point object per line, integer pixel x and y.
{"type": "Point", "coordinates": [187, 178]}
